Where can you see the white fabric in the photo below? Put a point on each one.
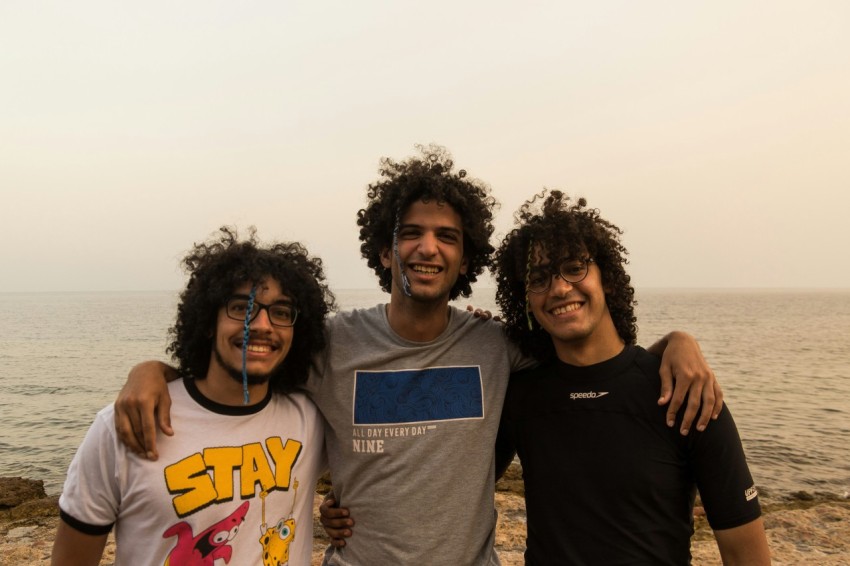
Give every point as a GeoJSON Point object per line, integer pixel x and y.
{"type": "Point", "coordinates": [214, 473]}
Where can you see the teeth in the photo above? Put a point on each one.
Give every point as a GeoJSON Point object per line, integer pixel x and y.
{"type": "Point", "coordinates": [566, 308]}
{"type": "Point", "coordinates": [258, 348]}
{"type": "Point", "coordinates": [426, 269]}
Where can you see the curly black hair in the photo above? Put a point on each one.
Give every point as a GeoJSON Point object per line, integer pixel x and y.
{"type": "Point", "coordinates": [217, 268]}
{"type": "Point", "coordinates": [425, 178]}
{"type": "Point", "coordinates": [566, 226]}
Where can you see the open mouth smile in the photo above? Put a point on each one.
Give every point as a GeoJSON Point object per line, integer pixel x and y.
{"type": "Point", "coordinates": [564, 309]}
{"type": "Point", "coordinates": [426, 269]}
{"type": "Point", "coordinates": [257, 348]}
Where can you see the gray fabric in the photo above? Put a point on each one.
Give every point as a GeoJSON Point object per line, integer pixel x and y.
{"type": "Point", "coordinates": [420, 488]}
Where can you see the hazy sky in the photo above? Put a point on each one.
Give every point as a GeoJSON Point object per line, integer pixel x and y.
{"type": "Point", "coordinates": [716, 134]}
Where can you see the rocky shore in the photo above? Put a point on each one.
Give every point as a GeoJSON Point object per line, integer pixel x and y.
{"type": "Point", "coordinates": [802, 528]}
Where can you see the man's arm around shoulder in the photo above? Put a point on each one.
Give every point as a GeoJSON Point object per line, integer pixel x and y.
{"type": "Point", "coordinates": [143, 404]}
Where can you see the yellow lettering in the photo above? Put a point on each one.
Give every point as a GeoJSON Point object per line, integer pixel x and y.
{"type": "Point", "coordinates": [284, 459]}
{"type": "Point", "coordinates": [255, 470]}
{"type": "Point", "coordinates": [189, 478]}
{"type": "Point", "coordinates": [197, 488]}
{"type": "Point", "coordinates": [222, 461]}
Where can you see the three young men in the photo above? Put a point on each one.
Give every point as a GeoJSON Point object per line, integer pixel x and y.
{"type": "Point", "coordinates": [227, 487]}
{"type": "Point", "coordinates": [412, 390]}
{"type": "Point", "coordinates": [606, 481]}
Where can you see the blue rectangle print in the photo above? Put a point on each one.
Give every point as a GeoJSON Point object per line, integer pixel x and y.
{"type": "Point", "coordinates": [411, 396]}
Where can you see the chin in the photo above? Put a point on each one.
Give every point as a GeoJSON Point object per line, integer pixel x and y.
{"type": "Point", "coordinates": [253, 378]}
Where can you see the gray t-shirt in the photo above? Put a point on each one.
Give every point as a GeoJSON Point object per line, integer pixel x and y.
{"type": "Point", "coordinates": [410, 432]}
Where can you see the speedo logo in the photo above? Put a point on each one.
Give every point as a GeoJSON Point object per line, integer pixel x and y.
{"type": "Point", "coordinates": [588, 395]}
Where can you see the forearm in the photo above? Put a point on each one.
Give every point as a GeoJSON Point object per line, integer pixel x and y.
{"type": "Point", "coordinates": [744, 546]}
{"type": "Point", "coordinates": [658, 347]}
{"type": "Point", "coordinates": [153, 367]}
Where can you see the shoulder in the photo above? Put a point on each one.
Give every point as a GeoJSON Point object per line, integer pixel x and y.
{"type": "Point", "coordinates": [354, 318]}
{"type": "Point", "coordinates": [298, 414]}
{"type": "Point", "coordinates": [532, 373]}
{"type": "Point", "coordinates": [464, 322]}
{"type": "Point", "coordinates": [527, 378]}
{"type": "Point", "coordinates": [648, 364]}
{"type": "Point", "coordinates": [297, 400]}
{"type": "Point", "coordinates": [177, 388]}
{"type": "Point", "coordinates": [529, 389]}
{"type": "Point", "coordinates": [103, 426]}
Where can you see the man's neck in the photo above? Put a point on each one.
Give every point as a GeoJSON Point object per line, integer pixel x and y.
{"type": "Point", "coordinates": [602, 345]}
{"type": "Point", "coordinates": [224, 390]}
{"type": "Point", "coordinates": [588, 354]}
{"type": "Point", "coordinates": [417, 321]}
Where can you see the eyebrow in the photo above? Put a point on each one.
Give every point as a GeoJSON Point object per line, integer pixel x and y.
{"type": "Point", "coordinates": [277, 302]}
{"type": "Point", "coordinates": [436, 228]}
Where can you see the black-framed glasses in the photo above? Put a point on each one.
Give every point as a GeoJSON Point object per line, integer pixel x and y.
{"type": "Point", "coordinates": [570, 270]}
{"type": "Point", "coordinates": [280, 314]}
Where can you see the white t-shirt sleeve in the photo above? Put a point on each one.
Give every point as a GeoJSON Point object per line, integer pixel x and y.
{"type": "Point", "coordinates": [91, 494]}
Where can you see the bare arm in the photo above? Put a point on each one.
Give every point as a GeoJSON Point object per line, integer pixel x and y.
{"type": "Point", "coordinates": [744, 546]}
{"type": "Point", "coordinates": [682, 363]}
{"type": "Point", "coordinates": [143, 404]}
{"type": "Point", "coordinates": [74, 548]}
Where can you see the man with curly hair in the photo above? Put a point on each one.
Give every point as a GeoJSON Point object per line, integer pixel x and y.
{"type": "Point", "coordinates": [248, 323]}
{"type": "Point", "coordinates": [606, 481]}
{"type": "Point", "coordinates": [411, 391]}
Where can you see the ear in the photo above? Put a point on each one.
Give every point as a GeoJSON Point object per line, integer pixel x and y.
{"type": "Point", "coordinates": [464, 265]}
{"type": "Point", "coordinates": [387, 258]}
{"type": "Point", "coordinates": [607, 286]}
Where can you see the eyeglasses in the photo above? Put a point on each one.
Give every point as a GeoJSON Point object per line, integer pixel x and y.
{"type": "Point", "coordinates": [280, 314]}
{"type": "Point", "coordinates": [570, 270]}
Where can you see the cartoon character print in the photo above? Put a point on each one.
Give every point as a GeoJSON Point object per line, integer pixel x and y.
{"type": "Point", "coordinates": [210, 545]}
{"type": "Point", "coordinates": [276, 540]}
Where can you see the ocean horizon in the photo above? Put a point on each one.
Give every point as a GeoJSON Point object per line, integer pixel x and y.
{"type": "Point", "coordinates": [781, 355]}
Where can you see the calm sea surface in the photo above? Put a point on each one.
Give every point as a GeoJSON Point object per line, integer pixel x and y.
{"type": "Point", "coordinates": [782, 357]}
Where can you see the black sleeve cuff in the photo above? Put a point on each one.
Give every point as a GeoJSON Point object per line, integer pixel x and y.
{"type": "Point", "coordinates": [85, 528]}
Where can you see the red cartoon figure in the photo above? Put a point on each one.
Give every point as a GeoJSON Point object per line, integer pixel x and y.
{"type": "Point", "coordinates": [208, 546]}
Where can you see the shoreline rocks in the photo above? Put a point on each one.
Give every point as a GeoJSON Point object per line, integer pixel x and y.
{"type": "Point", "coordinates": [802, 527]}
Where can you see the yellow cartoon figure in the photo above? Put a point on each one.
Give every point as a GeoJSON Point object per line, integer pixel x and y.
{"type": "Point", "coordinates": [276, 540]}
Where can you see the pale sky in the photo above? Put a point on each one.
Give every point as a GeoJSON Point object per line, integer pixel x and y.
{"type": "Point", "coordinates": [716, 134]}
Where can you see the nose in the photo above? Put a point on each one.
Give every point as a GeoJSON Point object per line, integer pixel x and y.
{"type": "Point", "coordinates": [428, 244]}
{"type": "Point", "coordinates": [262, 320]}
{"type": "Point", "coordinates": [559, 284]}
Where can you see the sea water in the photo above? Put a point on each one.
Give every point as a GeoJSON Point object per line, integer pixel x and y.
{"type": "Point", "coordinates": [782, 358]}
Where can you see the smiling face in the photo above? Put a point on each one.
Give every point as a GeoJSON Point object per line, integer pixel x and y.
{"type": "Point", "coordinates": [430, 247]}
{"type": "Point", "coordinates": [575, 315]}
{"type": "Point", "coordinates": [268, 345]}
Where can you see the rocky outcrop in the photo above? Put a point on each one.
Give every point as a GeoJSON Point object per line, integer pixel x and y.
{"type": "Point", "coordinates": [14, 491]}
{"type": "Point", "coordinates": [22, 500]}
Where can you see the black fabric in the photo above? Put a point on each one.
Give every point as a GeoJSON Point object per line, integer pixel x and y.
{"type": "Point", "coordinates": [606, 481]}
